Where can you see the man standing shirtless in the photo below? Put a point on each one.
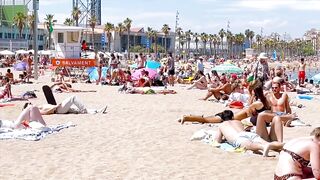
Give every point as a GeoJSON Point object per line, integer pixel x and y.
{"type": "Point", "coordinates": [302, 72]}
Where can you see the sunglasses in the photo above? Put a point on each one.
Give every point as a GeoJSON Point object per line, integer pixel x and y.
{"type": "Point", "coordinates": [275, 87]}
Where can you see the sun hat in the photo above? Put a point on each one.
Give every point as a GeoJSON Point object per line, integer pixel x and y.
{"type": "Point", "coordinates": [263, 56]}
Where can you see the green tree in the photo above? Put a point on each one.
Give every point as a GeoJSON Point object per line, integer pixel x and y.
{"type": "Point", "coordinates": [204, 39]}
{"type": "Point", "coordinates": [222, 34]}
{"type": "Point", "coordinates": [119, 29]}
{"type": "Point", "coordinates": [31, 20]}
{"type": "Point", "coordinates": [68, 22]}
{"type": "Point", "coordinates": [127, 24]}
{"type": "Point", "coordinates": [20, 20]}
{"type": "Point", "coordinates": [76, 14]}
{"type": "Point", "coordinates": [165, 29]}
{"type": "Point", "coordinates": [108, 28]}
{"type": "Point", "coordinates": [92, 24]}
{"type": "Point", "coordinates": [49, 23]}
{"type": "Point", "coordinates": [188, 39]}
{"type": "Point", "coordinates": [196, 40]}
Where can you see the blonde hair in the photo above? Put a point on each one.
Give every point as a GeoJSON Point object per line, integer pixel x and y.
{"type": "Point", "coordinates": [315, 132]}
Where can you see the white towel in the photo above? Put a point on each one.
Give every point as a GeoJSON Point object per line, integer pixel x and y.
{"type": "Point", "coordinates": [32, 134]}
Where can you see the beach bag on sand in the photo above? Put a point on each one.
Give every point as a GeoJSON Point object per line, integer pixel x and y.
{"type": "Point", "coordinates": [236, 105]}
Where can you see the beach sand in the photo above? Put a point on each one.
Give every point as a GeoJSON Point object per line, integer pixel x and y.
{"type": "Point", "coordinates": [139, 138]}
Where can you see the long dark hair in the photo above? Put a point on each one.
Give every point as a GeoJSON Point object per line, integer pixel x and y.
{"type": "Point", "coordinates": [257, 87]}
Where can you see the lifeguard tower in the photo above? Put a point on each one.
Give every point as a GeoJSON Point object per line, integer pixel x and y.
{"type": "Point", "coordinates": [66, 40]}
{"type": "Point", "coordinates": [67, 45]}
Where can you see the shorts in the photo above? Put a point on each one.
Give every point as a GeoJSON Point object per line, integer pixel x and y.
{"type": "Point", "coordinates": [171, 72]}
{"type": "Point", "coordinates": [302, 75]}
{"type": "Point", "coordinates": [245, 136]}
{"type": "Point", "coordinates": [280, 113]}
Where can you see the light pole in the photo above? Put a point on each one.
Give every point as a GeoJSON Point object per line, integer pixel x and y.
{"type": "Point", "coordinates": [35, 37]}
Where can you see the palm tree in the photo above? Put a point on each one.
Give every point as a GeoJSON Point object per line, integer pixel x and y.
{"type": "Point", "coordinates": [259, 40]}
{"type": "Point", "coordinates": [76, 14]}
{"type": "Point", "coordinates": [49, 23]}
{"type": "Point", "coordinates": [20, 21]}
{"type": "Point", "coordinates": [119, 29]}
{"type": "Point", "coordinates": [127, 24]}
{"type": "Point", "coordinates": [210, 39]}
{"type": "Point", "coordinates": [204, 39]}
{"type": "Point", "coordinates": [229, 36]}
{"type": "Point", "coordinates": [179, 33]}
{"type": "Point", "coordinates": [154, 34]}
{"type": "Point", "coordinates": [68, 22]}
{"type": "Point", "coordinates": [92, 24]}
{"type": "Point", "coordinates": [165, 29]}
{"type": "Point", "coordinates": [31, 20]}
{"type": "Point", "coordinates": [188, 39]}
{"type": "Point", "coordinates": [239, 40]}
{"type": "Point", "coordinates": [149, 36]}
{"type": "Point", "coordinates": [196, 40]}
{"type": "Point", "coordinates": [222, 33]}
{"type": "Point", "coordinates": [108, 28]}
{"type": "Point", "coordinates": [215, 41]}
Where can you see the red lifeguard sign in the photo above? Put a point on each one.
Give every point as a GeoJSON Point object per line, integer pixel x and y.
{"type": "Point", "coordinates": [74, 62]}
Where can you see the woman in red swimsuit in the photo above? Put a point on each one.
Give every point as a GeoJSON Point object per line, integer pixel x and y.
{"type": "Point", "coordinates": [297, 156]}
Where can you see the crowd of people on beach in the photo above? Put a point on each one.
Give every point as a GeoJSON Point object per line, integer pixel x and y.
{"type": "Point", "coordinates": [260, 92]}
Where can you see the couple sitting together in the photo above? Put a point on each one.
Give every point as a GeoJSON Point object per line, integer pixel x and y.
{"type": "Point", "coordinates": [265, 109]}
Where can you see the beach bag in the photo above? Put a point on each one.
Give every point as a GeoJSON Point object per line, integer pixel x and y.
{"type": "Point", "coordinates": [236, 105]}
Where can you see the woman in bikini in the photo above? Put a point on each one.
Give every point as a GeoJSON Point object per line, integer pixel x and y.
{"type": "Point", "coordinates": [296, 156]}
{"type": "Point", "coordinates": [200, 83]}
{"type": "Point", "coordinates": [258, 103]}
{"type": "Point", "coordinates": [6, 91]}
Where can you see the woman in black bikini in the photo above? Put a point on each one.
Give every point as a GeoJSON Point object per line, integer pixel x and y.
{"type": "Point", "coordinates": [296, 156]}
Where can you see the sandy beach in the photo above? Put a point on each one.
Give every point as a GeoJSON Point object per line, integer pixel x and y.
{"type": "Point", "coordinates": [139, 138]}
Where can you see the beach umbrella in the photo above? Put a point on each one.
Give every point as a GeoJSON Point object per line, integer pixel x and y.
{"type": "Point", "coordinates": [21, 66]}
{"type": "Point", "coordinates": [94, 75]}
{"type": "Point", "coordinates": [6, 53]}
{"type": "Point", "coordinates": [316, 78]}
{"type": "Point", "coordinates": [153, 64]}
{"type": "Point", "coordinates": [137, 73]}
{"type": "Point", "coordinates": [228, 68]}
{"type": "Point", "coordinates": [21, 51]}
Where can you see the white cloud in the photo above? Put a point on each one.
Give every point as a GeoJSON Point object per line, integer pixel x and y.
{"type": "Point", "coordinates": [265, 5]}
{"type": "Point", "coordinates": [267, 23]}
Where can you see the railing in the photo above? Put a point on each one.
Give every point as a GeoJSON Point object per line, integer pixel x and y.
{"type": "Point", "coordinates": [13, 44]}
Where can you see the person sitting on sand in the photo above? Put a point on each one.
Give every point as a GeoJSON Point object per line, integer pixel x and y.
{"type": "Point", "coordinates": [214, 80]}
{"type": "Point", "coordinates": [29, 114]}
{"type": "Point", "coordinates": [6, 91]}
{"type": "Point", "coordinates": [296, 156]}
{"type": "Point", "coordinates": [9, 74]}
{"type": "Point", "coordinates": [66, 107]}
{"type": "Point", "coordinates": [258, 103]}
{"type": "Point", "coordinates": [224, 89]}
{"type": "Point", "coordinates": [144, 80]}
{"type": "Point", "coordinates": [235, 134]}
{"type": "Point", "coordinates": [199, 83]}
{"type": "Point", "coordinates": [280, 114]}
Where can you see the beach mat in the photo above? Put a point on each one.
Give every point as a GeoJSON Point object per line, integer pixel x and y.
{"type": "Point", "coordinates": [49, 95]}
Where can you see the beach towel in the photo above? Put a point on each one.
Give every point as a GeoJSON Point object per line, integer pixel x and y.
{"type": "Point", "coordinates": [207, 136]}
{"type": "Point", "coordinates": [36, 133]}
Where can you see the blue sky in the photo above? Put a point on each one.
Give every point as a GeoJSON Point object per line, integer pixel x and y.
{"type": "Point", "coordinates": [292, 17]}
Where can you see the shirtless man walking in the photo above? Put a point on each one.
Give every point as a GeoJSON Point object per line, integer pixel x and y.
{"type": "Point", "coordinates": [302, 72]}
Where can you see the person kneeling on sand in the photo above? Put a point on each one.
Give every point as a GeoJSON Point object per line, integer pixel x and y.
{"type": "Point", "coordinates": [235, 134]}
{"type": "Point", "coordinates": [29, 114]}
{"type": "Point", "coordinates": [66, 107]}
{"type": "Point", "coordinates": [296, 157]}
